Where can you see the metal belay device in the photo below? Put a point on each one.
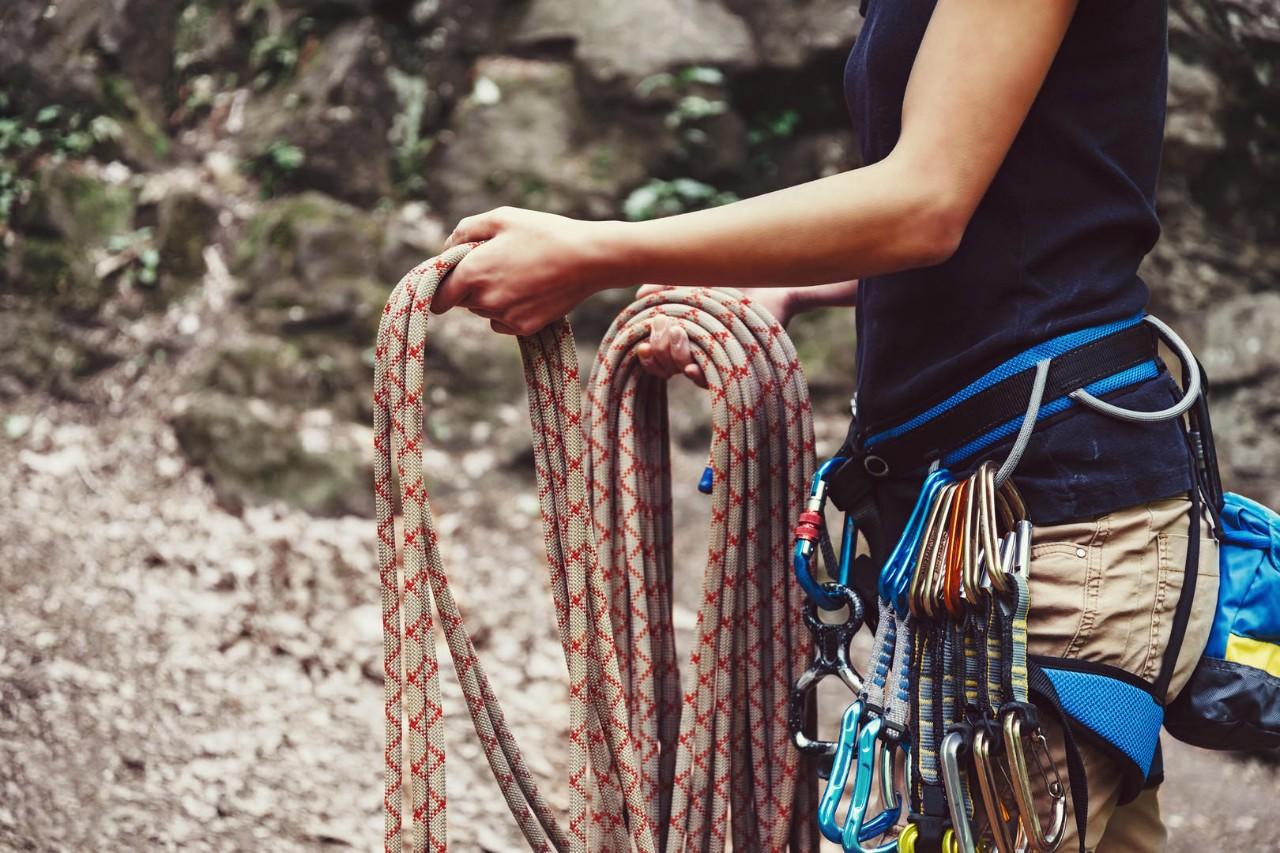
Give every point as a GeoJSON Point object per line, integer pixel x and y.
{"type": "Point", "coordinates": [655, 763]}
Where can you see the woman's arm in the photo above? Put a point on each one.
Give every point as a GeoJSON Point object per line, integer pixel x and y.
{"type": "Point", "coordinates": [975, 76]}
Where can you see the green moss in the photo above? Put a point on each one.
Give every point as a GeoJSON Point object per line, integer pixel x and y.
{"type": "Point", "coordinates": [136, 122]}
{"type": "Point", "coordinates": [91, 211]}
{"type": "Point", "coordinates": [195, 23]}
{"type": "Point", "coordinates": [57, 276]}
{"type": "Point", "coordinates": [276, 224]}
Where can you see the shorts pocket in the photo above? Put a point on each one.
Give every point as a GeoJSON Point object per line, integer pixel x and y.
{"type": "Point", "coordinates": [1064, 584]}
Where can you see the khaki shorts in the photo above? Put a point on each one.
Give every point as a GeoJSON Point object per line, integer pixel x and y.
{"type": "Point", "coordinates": [1106, 591]}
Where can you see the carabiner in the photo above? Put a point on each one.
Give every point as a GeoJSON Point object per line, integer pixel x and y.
{"type": "Point", "coordinates": [895, 579]}
{"type": "Point", "coordinates": [951, 596]}
{"type": "Point", "coordinates": [906, 840]}
{"type": "Point", "coordinates": [1012, 718]}
{"type": "Point", "coordinates": [1002, 816]}
{"type": "Point", "coordinates": [856, 827]}
{"type": "Point", "coordinates": [809, 532]}
{"type": "Point", "coordinates": [932, 543]}
{"type": "Point", "coordinates": [841, 761]}
{"type": "Point", "coordinates": [955, 748]}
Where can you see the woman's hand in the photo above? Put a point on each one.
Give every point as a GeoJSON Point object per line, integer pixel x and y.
{"type": "Point", "coordinates": [532, 269]}
{"type": "Point", "coordinates": [667, 352]}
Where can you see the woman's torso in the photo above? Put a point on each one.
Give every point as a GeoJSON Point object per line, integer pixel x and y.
{"type": "Point", "coordinates": [1053, 247]}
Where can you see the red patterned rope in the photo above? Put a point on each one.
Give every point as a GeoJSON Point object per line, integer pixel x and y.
{"type": "Point", "coordinates": [654, 765]}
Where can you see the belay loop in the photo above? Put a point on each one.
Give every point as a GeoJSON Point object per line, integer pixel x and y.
{"type": "Point", "coordinates": [652, 762]}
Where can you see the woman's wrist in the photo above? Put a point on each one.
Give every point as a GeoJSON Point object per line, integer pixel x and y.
{"type": "Point", "coordinates": [612, 256]}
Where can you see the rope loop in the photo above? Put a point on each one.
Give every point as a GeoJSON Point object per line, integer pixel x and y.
{"type": "Point", "coordinates": [654, 763]}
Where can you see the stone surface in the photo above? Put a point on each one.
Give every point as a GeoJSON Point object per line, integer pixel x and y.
{"type": "Point", "coordinates": [155, 566]}
{"type": "Point", "coordinates": [524, 139]}
{"type": "Point", "coordinates": [1242, 339]}
{"type": "Point", "coordinates": [138, 38]}
{"type": "Point", "coordinates": [252, 451]}
{"type": "Point", "coordinates": [789, 33]}
{"type": "Point", "coordinates": [186, 223]}
{"type": "Point", "coordinates": [618, 39]}
{"type": "Point", "coordinates": [338, 111]}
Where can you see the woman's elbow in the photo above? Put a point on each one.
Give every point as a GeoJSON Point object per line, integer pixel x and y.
{"type": "Point", "coordinates": [933, 206]}
{"type": "Point", "coordinates": [934, 230]}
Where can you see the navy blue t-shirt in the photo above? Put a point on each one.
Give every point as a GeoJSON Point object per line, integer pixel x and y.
{"type": "Point", "coordinates": [1053, 247]}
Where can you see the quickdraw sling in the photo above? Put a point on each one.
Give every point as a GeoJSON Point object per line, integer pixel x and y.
{"type": "Point", "coordinates": [653, 765]}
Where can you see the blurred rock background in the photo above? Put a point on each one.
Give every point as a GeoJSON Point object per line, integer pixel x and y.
{"type": "Point", "coordinates": [203, 204]}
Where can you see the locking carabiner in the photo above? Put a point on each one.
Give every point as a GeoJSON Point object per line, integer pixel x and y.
{"type": "Point", "coordinates": [810, 533]}
{"type": "Point", "coordinates": [1013, 718]}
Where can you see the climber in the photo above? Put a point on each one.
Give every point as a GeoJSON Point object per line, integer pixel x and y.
{"type": "Point", "coordinates": [1011, 153]}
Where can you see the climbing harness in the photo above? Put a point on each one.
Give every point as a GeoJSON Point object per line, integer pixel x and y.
{"type": "Point", "coordinates": [652, 766]}
{"type": "Point", "coordinates": [952, 591]}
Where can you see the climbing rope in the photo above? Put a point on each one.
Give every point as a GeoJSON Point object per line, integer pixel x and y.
{"type": "Point", "coordinates": [655, 764]}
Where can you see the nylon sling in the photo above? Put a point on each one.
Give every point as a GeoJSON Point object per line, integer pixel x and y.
{"type": "Point", "coordinates": [653, 765]}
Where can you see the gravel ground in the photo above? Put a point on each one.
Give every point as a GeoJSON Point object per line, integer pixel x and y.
{"type": "Point", "coordinates": [174, 676]}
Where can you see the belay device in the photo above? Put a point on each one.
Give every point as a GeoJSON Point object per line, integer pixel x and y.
{"type": "Point", "coordinates": [949, 682]}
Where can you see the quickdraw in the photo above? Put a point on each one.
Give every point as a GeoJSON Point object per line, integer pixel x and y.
{"type": "Point", "coordinates": [947, 686]}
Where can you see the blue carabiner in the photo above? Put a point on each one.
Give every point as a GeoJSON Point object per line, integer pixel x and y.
{"type": "Point", "coordinates": [856, 827]}
{"type": "Point", "coordinates": [863, 739]}
{"type": "Point", "coordinates": [840, 764]}
{"type": "Point", "coordinates": [805, 549]}
{"type": "Point", "coordinates": [895, 579]}
{"type": "Point", "coordinates": [848, 539]}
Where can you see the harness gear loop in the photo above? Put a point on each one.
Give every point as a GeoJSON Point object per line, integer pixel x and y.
{"type": "Point", "coordinates": [649, 764]}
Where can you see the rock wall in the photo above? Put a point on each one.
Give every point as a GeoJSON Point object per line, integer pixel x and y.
{"type": "Point", "coordinates": [313, 151]}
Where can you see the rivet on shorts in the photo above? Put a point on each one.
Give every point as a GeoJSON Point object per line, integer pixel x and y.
{"type": "Point", "coordinates": [1081, 553]}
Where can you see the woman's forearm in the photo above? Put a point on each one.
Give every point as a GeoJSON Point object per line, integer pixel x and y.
{"type": "Point", "coordinates": [877, 219]}
{"type": "Point", "coordinates": [840, 294]}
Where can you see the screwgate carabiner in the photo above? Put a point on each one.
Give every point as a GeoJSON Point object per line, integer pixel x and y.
{"type": "Point", "coordinates": [810, 533]}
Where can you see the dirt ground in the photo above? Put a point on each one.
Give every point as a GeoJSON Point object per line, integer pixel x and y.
{"type": "Point", "coordinates": [177, 677]}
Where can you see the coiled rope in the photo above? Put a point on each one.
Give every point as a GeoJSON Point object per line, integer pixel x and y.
{"type": "Point", "coordinates": [653, 766]}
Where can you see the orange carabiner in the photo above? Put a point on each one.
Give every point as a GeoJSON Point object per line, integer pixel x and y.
{"type": "Point", "coordinates": [951, 598]}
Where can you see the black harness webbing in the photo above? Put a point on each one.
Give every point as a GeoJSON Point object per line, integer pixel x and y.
{"type": "Point", "coordinates": [984, 411]}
